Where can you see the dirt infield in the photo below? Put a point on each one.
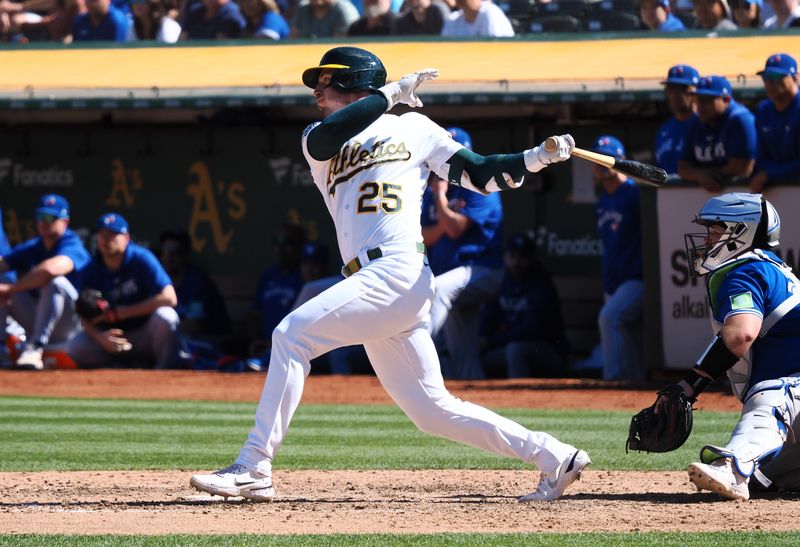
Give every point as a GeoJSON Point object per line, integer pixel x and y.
{"type": "Point", "coordinates": [144, 502]}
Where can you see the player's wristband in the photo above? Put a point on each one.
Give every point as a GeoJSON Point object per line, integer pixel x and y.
{"type": "Point", "coordinates": [697, 382]}
{"type": "Point", "coordinates": [717, 358]}
{"type": "Point", "coordinates": [532, 161]}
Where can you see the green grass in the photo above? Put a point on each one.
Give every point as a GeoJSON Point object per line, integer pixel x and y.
{"type": "Point", "coordinates": [771, 539]}
{"type": "Point", "coordinates": [87, 434]}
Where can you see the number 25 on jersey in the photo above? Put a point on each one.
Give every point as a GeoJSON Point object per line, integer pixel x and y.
{"type": "Point", "coordinates": [383, 195]}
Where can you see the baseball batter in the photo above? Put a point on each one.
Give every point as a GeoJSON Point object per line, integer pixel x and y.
{"type": "Point", "coordinates": [371, 168]}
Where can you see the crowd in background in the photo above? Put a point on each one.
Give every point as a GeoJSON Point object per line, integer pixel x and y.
{"type": "Point", "coordinates": [171, 21]}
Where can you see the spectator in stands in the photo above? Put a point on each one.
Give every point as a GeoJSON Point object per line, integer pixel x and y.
{"type": "Point", "coordinates": [323, 19]}
{"type": "Point", "coordinates": [477, 18]}
{"type": "Point", "coordinates": [713, 15]}
{"type": "Point", "coordinates": [422, 17]}
{"type": "Point", "coordinates": [787, 13]}
{"type": "Point", "coordinates": [213, 20]}
{"type": "Point", "coordinates": [747, 13]}
{"type": "Point", "coordinates": [277, 289]}
{"type": "Point", "coordinates": [55, 24]}
{"type": "Point", "coordinates": [521, 331]}
{"type": "Point", "coordinates": [102, 21]}
{"type": "Point", "coordinates": [778, 125]}
{"type": "Point", "coordinates": [264, 20]}
{"type": "Point", "coordinates": [200, 306]}
{"type": "Point", "coordinates": [721, 141]}
{"type": "Point", "coordinates": [378, 19]}
{"type": "Point", "coordinates": [619, 224]}
{"type": "Point", "coordinates": [463, 233]}
{"type": "Point", "coordinates": [657, 15]}
{"type": "Point", "coordinates": [141, 323]}
{"type": "Point", "coordinates": [681, 81]}
{"type": "Point", "coordinates": [42, 299]}
{"type": "Point", "coordinates": [150, 22]}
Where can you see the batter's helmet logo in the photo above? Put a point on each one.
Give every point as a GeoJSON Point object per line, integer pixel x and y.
{"type": "Point", "coordinates": [353, 69]}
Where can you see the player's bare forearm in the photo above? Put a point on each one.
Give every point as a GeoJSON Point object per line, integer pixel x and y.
{"type": "Point", "coordinates": [432, 234]}
{"type": "Point", "coordinates": [42, 274]}
{"type": "Point", "coordinates": [453, 223]}
{"type": "Point", "coordinates": [327, 138]}
{"type": "Point", "coordinates": [145, 307]}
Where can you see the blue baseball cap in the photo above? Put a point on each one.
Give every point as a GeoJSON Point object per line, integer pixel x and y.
{"type": "Point", "coordinates": [780, 63]}
{"type": "Point", "coordinates": [114, 222]}
{"type": "Point", "coordinates": [610, 146]}
{"type": "Point", "coordinates": [461, 137]}
{"type": "Point", "coordinates": [314, 252]}
{"type": "Point", "coordinates": [714, 86]}
{"type": "Point", "coordinates": [53, 204]}
{"type": "Point", "coordinates": [682, 75]}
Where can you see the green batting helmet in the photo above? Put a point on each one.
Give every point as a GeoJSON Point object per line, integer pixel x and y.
{"type": "Point", "coordinates": [354, 69]}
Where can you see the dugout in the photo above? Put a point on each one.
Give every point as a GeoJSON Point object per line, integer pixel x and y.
{"type": "Point", "coordinates": [205, 136]}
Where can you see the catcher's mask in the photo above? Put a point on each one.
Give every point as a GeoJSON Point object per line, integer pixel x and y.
{"type": "Point", "coordinates": [354, 69]}
{"type": "Point", "coordinates": [744, 222]}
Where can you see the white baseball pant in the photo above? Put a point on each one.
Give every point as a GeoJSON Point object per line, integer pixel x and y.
{"type": "Point", "coordinates": [385, 306]}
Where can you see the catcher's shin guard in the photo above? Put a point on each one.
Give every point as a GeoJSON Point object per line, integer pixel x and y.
{"type": "Point", "coordinates": [761, 431]}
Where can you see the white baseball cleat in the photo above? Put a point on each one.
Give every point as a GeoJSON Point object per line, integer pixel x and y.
{"type": "Point", "coordinates": [553, 483]}
{"type": "Point", "coordinates": [31, 359]}
{"type": "Point", "coordinates": [721, 478]}
{"type": "Point", "coordinates": [236, 480]}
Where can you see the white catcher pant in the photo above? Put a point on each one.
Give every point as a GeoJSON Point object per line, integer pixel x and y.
{"type": "Point", "coordinates": [385, 306]}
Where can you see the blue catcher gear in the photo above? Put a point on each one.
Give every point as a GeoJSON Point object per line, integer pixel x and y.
{"type": "Point", "coordinates": [354, 69]}
{"type": "Point", "coordinates": [749, 222]}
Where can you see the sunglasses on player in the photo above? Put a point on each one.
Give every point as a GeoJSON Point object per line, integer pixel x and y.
{"type": "Point", "coordinates": [47, 219]}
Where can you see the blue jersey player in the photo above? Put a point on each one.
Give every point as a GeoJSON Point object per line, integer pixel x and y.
{"type": "Point", "coordinates": [778, 125]}
{"type": "Point", "coordinates": [755, 304]}
{"type": "Point", "coordinates": [721, 143]}
{"type": "Point", "coordinates": [619, 225]}
{"type": "Point", "coordinates": [681, 81]}
{"type": "Point", "coordinates": [463, 233]}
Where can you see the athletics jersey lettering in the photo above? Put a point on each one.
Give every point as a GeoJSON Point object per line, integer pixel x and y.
{"type": "Point", "coordinates": [356, 157]}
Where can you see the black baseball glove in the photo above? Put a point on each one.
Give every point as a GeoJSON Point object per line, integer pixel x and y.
{"type": "Point", "coordinates": [666, 430]}
{"type": "Point", "coordinates": [91, 304]}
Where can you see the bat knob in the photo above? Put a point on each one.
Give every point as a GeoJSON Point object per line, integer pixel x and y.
{"type": "Point", "coordinates": [551, 144]}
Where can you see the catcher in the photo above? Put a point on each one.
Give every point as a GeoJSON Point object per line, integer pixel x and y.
{"type": "Point", "coordinates": [755, 306]}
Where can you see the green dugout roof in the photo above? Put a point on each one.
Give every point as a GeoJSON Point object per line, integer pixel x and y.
{"type": "Point", "coordinates": [542, 69]}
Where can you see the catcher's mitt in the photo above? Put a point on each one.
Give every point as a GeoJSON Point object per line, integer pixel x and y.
{"type": "Point", "coordinates": [666, 430]}
{"type": "Point", "coordinates": [91, 304]}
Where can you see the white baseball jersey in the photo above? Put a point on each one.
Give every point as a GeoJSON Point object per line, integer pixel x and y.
{"type": "Point", "coordinates": [373, 187]}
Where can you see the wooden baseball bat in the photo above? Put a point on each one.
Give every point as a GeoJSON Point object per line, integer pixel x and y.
{"type": "Point", "coordinates": [643, 173]}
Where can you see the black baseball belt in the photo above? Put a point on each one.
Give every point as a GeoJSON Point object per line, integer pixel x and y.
{"type": "Point", "coordinates": [372, 254]}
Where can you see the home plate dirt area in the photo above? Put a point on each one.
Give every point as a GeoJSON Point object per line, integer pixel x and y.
{"type": "Point", "coordinates": [158, 502]}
